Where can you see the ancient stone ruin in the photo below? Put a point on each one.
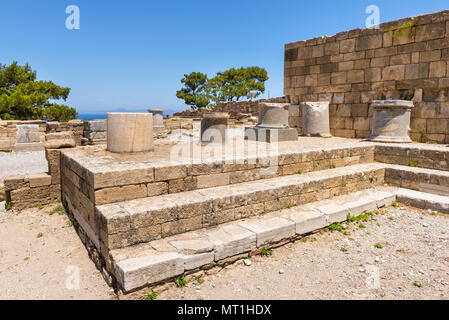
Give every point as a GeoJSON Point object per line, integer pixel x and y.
{"type": "Point", "coordinates": [391, 121]}
{"type": "Point", "coordinates": [150, 210]}
{"type": "Point", "coordinates": [158, 119]}
{"type": "Point", "coordinates": [130, 132]}
{"type": "Point", "coordinates": [28, 138]}
{"type": "Point", "coordinates": [273, 125]}
{"type": "Point", "coordinates": [315, 119]}
{"type": "Point", "coordinates": [353, 68]}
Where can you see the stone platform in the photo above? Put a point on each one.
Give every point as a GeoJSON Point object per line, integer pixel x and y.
{"type": "Point", "coordinates": [123, 202]}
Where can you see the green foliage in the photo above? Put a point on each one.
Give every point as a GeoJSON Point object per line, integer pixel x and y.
{"type": "Point", "coordinates": [40, 235]}
{"type": "Point", "coordinates": [59, 210]}
{"type": "Point", "coordinates": [410, 26]}
{"type": "Point", "coordinates": [195, 92]}
{"type": "Point", "coordinates": [181, 282]}
{"type": "Point", "coordinates": [8, 205]}
{"type": "Point", "coordinates": [417, 284]}
{"type": "Point", "coordinates": [266, 251]}
{"type": "Point", "coordinates": [65, 204]}
{"type": "Point", "coordinates": [152, 296]}
{"type": "Point", "coordinates": [378, 246]}
{"type": "Point", "coordinates": [22, 97]}
{"type": "Point", "coordinates": [199, 279]}
{"type": "Point", "coordinates": [237, 83]}
{"type": "Point", "coordinates": [343, 249]}
{"type": "Point", "coordinates": [230, 85]}
{"type": "Point", "coordinates": [335, 227]}
{"type": "Point", "coordinates": [395, 204]}
{"type": "Point", "coordinates": [412, 163]}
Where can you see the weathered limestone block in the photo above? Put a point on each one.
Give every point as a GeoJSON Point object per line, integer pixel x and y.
{"type": "Point", "coordinates": [306, 221]}
{"type": "Point", "coordinates": [214, 127]}
{"type": "Point", "coordinates": [231, 240]}
{"type": "Point", "coordinates": [137, 272]}
{"type": "Point", "coordinates": [39, 180]}
{"type": "Point", "coordinates": [273, 125]}
{"type": "Point", "coordinates": [130, 132]}
{"type": "Point", "coordinates": [27, 191]}
{"type": "Point", "coordinates": [270, 230]}
{"type": "Point", "coordinates": [28, 138]}
{"type": "Point", "coordinates": [95, 131]}
{"type": "Point", "coordinates": [391, 121]}
{"type": "Point", "coordinates": [158, 119]}
{"type": "Point", "coordinates": [27, 133]}
{"type": "Point", "coordinates": [315, 120]}
{"type": "Point", "coordinates": [59, 140]}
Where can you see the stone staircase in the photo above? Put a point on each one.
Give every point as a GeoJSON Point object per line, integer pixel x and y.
{"type": "Point", "coordinates": [155, 261]}
{"type": "Point", "coordinates": [210, 212]}
{"type": "Point", "coordinates": [141, 220]}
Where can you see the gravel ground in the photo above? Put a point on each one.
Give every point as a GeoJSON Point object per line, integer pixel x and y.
{"type": "Point", "coordinates": [411, 262]}
{"type": "Point", "coordinates": [40, 253]}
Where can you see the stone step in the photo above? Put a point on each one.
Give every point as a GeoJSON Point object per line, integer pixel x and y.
{"type": "Point", "coordinates": [430, 156]}
{"type": "Point", "coordinates": [102, 178]}
{"type": "Point", "coordinates": [157, 261]}
{"type": "Point", "coordinates": [419, 179]}
{"type": "Point", "coordinates": [137, 221]}
{"type": "Point", "coordinates": [423, 200]}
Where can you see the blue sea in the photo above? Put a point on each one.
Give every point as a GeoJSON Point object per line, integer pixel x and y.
{"type": "Point", "coordinates": [91, 116]}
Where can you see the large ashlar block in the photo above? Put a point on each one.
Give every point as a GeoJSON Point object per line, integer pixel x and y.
{"type": "Point", "coordinates": [27, 138]}
{"type": "Point", "coordinates": [27, 133]}
{"type": "Point", "coordinates": [130, 132]}
{"type": "Point", "coordinates": [315, 119]}
{"type": "Point", "coordinates": [391, 121]}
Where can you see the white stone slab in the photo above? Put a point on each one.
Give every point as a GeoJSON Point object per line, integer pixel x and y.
{"type": "Point", "coordinates": [334, 212]}
{"type": "Point", "coordinates": [230, 240]}
{"type": "Point", "coordinates": [137, 272]}
{"type": "Point", "coordinates": [270, 230]}
{"type": "Point", "coordinates": [307, 221]}
{"type": "Point", "coordinates": [192, 262]}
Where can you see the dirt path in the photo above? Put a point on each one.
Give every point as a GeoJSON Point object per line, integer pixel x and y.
{"type": "Point", "coordinates": [40, 253]}
{"type": "Point", "coordinates": [411, 262]}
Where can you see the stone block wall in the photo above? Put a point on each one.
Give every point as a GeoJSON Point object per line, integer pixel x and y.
{"type": "Point", "coordinates": [28, 191]}
{"type": "Point", "coordinates": [76, 127]}
{"type": "Point", "coordinates": [8, 132]}
{"type": "Point", "coordinates": [95, 131]}
{"type": "Point", "coordinates": [353, 68]}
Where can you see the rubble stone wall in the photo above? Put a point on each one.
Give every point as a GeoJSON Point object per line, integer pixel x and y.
{"type": "Point", "coordinates": [353, 68]}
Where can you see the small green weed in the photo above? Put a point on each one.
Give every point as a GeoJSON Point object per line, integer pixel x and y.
{"type": "Point", "coordinates": [181, 282]}
{"type": "Point", "coordinates": [266, 251]}
{"type": "Point", "coordinates": [152, 296]}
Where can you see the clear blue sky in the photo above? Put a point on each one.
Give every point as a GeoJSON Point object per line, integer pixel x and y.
{"type": "Point", "coordinates": [132, 54]}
